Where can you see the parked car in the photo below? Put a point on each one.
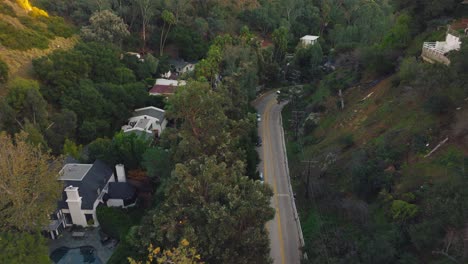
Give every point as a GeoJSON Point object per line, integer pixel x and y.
{"type": "Point", "coordinates": [259, 118]}
{"type": "Point", "coordinates": [261, 177]}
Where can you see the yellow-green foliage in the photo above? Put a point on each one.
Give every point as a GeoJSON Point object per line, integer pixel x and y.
{"type": "Point", "coordinates": [14, 38]}
{"type": "Point", "coordinates": [23, 32]}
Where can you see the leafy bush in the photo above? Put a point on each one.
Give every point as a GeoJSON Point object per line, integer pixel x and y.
{"type": "Point", "coordinates": [438, 104]}
{"type": "Point", "coordinates": [16, 247]}
{"type": "Point", "coordinates": [116, 222]}
{"type": "Point", "coordinates": [35, 25]}
{"type": "Point", "coordinates": [3, 72]}
{"type": "Point", "coordinates": [402, 211]}
{"type": "Point", "coordinates": [58, 26]}
{"type": "Point", "coordinates": [346, 140]}
{"type": "Point", "coordinates": [14, 38]}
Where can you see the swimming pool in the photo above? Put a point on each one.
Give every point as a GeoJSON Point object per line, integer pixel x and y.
{"type": "Point", "coordinates": [64, 255]}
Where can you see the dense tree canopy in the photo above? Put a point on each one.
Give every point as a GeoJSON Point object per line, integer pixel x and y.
{"type": "Point", "coordinates": [28, 182]}
{"type": "Point", "coordinates": [3, 72]}
{"type": "Point", "coordinates": [19, 248]}
{"type": "Point", "coordinates": [105, 26]}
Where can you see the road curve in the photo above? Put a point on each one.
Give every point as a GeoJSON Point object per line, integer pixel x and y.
{"type": "Point", "coordinates": [283, 229]}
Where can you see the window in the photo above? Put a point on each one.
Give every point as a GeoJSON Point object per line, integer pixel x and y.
{"type": "Point", "coordinates": [68, 219]}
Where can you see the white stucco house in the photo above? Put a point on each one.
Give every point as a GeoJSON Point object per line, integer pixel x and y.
{"type": "Point", "coordinates": [308, 40]}
{"type": "Point", "coordinates": [437, 51]}
{"type": "Point", "coordinates": [148, 121]}
{"type": "Point", "coordinates": [85, 187]}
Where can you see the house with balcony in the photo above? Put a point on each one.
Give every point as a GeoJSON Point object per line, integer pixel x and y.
{"type": "Point", "coordinates": [147, 121]}
{"type": "Point", "coordinates": [85, 187]}
{"type": "Point", "coordinates": [436, 52]}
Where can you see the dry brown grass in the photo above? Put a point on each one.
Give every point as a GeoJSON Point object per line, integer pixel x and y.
{"type": "Point", "coordinates": [18, 10]}
{"type": "Point", "coordinates": [12, 20]}
{"type": "Point", "coordinates": [20, 62]}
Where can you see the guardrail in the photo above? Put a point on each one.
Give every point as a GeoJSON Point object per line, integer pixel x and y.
{"type": "Point", "coordinates": [291, 193]}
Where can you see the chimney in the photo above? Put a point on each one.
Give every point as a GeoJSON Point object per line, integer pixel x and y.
{"type": "Point", "coordinates": [120, 171]}
{"type": "Point", "coordinates": [72, 194]}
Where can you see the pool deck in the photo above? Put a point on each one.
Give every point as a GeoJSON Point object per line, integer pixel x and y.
{"type": "Point", "coordinates": [91, 238]}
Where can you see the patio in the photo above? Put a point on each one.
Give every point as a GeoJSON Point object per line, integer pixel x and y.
{"type": "Point", "coordinates": [87, 237]}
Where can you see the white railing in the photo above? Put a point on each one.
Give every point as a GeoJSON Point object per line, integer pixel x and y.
{"type": "Point", "coordinates": [432, 46]}
{"type": "Point", "coordinates": [432, 53]}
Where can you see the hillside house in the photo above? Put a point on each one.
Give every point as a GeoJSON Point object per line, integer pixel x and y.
{"type": "Point", "coordinates": [85, 187]}
{"type": "Point", "coordinates": [309, 40]}
{"type": "Point", "coordinates": [437, 51]}
{"type": "Point", "coordinates": [148, 121]}
{"type": "Point", "coordinates": [181, 66]}
{"type": "Point", "coordinates": [165, 86]}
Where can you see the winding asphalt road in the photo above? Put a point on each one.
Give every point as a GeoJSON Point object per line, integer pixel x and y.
{"type": "Point", "coordinates": [285, 238]}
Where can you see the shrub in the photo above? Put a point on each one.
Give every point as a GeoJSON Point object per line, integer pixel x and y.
{"type": "Point", "coordinates": [346, 140]}
{"type": "Point", "coordinates": [116, 222]}
{"type": "Point", "coordinates": [14, 38]}
{"type": "Point", "coordinates": [59, 27]}
{"type": "Point", "coordinates": [35, 25]}
{"type": "Point", "coordinates": [3, 72]}
{"type": "Point", "coordinates": [402, 211]}
{"type": "Point", "coordinates": [438, 104]}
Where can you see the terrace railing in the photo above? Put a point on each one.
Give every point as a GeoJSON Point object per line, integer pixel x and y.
{"type": "Point", "coordinates": [433, 54]}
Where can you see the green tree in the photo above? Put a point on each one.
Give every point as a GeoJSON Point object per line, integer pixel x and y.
{"type": "Point", "coordinates": [25, 98]}
{"type": "Point", "coordinates": [125, 148]}
{"type": "Point", "coordinates": [23, 247]}
{"type": "Point", "coordinates": [280, 39]}
{"type": "Point", "coordinates": [130, 148]}
{"type": "Point", "coordinates": [8, 120]}
{"type": "Point", "coordinates": [105, 26]}
{"type": "Point", "coordinates": [146, 13]}
{"type": "Point", "coordinates": [62, 125]}
{"type": "Point", "coordinates": [400, 34]}
{"type": "Point", "coordinates": [28, 181]}
{"type": "Point", "coordinates": [101, 149]}
{"type": "Point", "coordinates": [402, 211]}
{"type": "Point", "coordinates": [70, 148]}
{"type": "Point", "coordinates": [3, 72]}
{"type": "Point", "coordinates": [169, 20]}
{"type": "Point", "coordinates": [212, 205]}
{"type": "Point", "coordinates": [156, 162]}
{"type": "Point", "coordinates": [199, 110]}
{"type": "Point", "coordinates": [308, 61]}
{"type": "Point", "coordinates": [180, 255]}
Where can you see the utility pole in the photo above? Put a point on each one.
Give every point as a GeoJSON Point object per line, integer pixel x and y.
{"type": "Point", "coordinates": [340, 94]}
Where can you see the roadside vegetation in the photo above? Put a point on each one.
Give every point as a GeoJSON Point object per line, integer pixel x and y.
{"type": "Point", "coordinates": [364, 112]}
{"type": "Point", "coordinates": [373, 187]}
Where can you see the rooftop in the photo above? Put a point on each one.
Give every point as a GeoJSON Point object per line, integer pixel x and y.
{"type": "Point", "coordinates": [142, 123]}
{"type": "Point", "coordinates": [74, 172]}
{"type": "Point", "coordinates": [163, 89]}
{"type": "Point", "coordinates": [162, 81]}
{"type": "Point", "coordinates": [310, 37]}
{"type": "Point", "coordinates": [151, 111]}
{"type": "Point", "coordinates": [120, 190]}
{"type": "Point", "coordinates": [95, 178]}
{"type": "Point", "coordinates": [178, 63]}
